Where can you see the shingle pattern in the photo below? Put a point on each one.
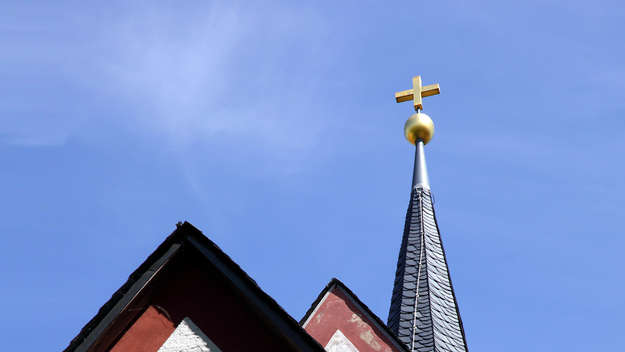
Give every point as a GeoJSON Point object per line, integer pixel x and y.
{"type": "Point", "coordinates": [434, 324]}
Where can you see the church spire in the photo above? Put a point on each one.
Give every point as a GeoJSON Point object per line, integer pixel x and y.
{"type": "Point", "coordinates": [424, 313]}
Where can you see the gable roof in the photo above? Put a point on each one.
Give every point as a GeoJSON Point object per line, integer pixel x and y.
{"type": "Point", "coordinates": [187, 235]}
{"type": "Point", "coordinates": [378, 323]}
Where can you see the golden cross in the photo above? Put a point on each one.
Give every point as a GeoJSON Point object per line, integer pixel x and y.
{"type": "Point", "coordinates": [417, 92]}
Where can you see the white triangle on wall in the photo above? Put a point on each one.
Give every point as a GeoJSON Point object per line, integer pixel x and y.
{"type": "Point", "coordinates": [339, 343]}
{"type": "Point", "coordinates": [188, 338]}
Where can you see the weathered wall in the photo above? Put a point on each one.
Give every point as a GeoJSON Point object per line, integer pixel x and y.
{"type": "Point", "coordinates": [338, 312]}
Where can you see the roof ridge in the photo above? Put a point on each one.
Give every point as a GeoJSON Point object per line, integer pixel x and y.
{"type": "Point", "coordinates": [427, 279]}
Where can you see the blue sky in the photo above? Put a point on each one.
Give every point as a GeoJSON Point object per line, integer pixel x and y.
{"type": "Point", "coordinates": [272, 127]}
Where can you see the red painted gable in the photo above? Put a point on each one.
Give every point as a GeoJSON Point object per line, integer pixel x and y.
{"type": "Point", "coordinates": [338, 309]}
{"type": "Point", "coordinates": [188, 288]}
{"type": "Point", "coordinates": [189, 276]}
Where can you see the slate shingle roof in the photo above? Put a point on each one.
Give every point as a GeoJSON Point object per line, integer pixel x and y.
{"type": "Point", "coordinates": [434, 324]}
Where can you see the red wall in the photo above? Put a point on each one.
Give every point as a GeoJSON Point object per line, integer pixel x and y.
{"type": "Point", "coordinates": [147, 334]}
{"type": "Point", "coordinates": [337, 311]}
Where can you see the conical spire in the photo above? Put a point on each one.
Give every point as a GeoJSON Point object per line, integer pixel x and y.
{"type": "Point", "coordinates": [424, 312]}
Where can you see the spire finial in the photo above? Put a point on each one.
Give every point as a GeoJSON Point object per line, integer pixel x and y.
{"type": "Point", "coordinates": [419, 126]}
{"type": "Point", "coordinates": [419, 129]}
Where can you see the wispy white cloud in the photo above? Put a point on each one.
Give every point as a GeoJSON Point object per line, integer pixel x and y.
{"type": "Point", "coordinates": [220, 72]}
{"type": "Point", "coordinates": [189, 75]}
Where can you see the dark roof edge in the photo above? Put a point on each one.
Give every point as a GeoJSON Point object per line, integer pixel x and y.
{"type": "Point", "coordinates": [256, 295]}
{"type": "Point", "coordinates": [186, 233]}
{"type": "Point", "coordinates": [379, 323]}
{"type": "Point", "coordinates": [94, 327]}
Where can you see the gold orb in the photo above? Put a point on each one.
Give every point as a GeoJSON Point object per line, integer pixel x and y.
{"type": "Point", "coordinates": [419, 126]}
